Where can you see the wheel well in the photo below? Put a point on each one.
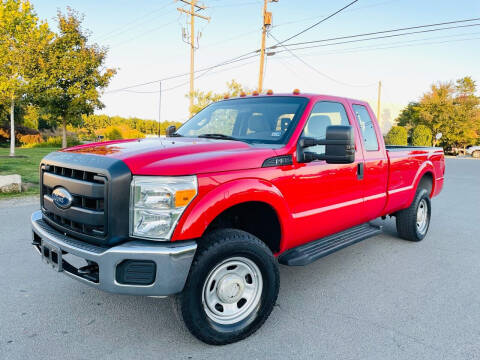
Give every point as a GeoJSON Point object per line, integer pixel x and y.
{"type": "Point", "coordinates": [256, 218]}
{"type": "Point", "coordinates": [426, 182]}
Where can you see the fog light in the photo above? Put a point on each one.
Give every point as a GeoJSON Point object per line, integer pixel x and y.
{"type": "Point", "coordinates": [136, 272]}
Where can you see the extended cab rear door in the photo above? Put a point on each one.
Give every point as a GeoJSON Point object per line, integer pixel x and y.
{"type": "Point", "coordinates": [375, 168]}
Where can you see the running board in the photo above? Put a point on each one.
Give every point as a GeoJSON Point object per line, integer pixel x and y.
{"type": "Point", "coordinates": [308, 253]}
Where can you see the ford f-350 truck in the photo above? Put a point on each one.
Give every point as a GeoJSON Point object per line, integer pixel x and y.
{"type": "Point", "coordinates": [206, 213]}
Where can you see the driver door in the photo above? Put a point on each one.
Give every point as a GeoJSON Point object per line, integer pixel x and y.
{"type": "Point", "coordinates": [326, 198]}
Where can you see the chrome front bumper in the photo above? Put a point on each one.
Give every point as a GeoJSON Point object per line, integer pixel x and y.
{"type": "Point", "coordinates": [172, 260]}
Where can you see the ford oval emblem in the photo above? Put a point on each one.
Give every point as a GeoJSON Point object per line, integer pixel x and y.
{"type": "Point", "coordinates": [62, 198]}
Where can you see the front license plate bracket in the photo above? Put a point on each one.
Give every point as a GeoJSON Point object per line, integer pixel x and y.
{"type": "Point", "coordinates": [52, 255]}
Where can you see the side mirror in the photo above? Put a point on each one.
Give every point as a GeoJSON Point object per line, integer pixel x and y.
{"type": "Point", "coordinates": [171, 130]}
{"type": "Point", "coordinates": [339, 146]}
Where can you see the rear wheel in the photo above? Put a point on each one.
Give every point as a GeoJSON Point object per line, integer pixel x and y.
{"type": "Point", "coordinates": [231, 289]}
{"type": "Point", "coordinates": [414, 221]}
{"type": "Point", "coordinates": [476, 154]}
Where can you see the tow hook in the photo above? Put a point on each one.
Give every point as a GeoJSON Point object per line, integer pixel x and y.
{"type": "Point", "coordinates": [89, 271]}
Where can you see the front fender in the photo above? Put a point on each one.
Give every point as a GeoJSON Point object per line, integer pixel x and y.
{"type": "Point", "coordinates": [203, 211]}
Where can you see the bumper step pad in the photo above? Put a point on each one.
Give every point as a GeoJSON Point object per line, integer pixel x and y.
{"type": "Point", "coordinates": [308, 253]}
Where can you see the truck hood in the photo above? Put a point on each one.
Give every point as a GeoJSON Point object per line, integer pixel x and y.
{"type": "Point", "coordinates": [180, 156]}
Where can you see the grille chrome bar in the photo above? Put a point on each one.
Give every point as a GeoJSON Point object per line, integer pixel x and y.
{"type": "Point", "coordinates": [77, 187]}
{"type": "Point", "coordinates": [77, 214]}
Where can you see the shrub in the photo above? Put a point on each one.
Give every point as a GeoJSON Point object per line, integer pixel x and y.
{"type": "Point", "coordinates": [27, 140]}
{"type": "Point", "coordinates": [19, 132]}
{"type": "Point", "coordinates": [113, 133]}
{"type": "Point", "coordinates": [397, 135]}
{"type": "Point", "coordinates": [4, 135]}
{"type": "Point", "coordinates": [55, 142]}
{"type": "Point", "coordinates": [422, 136]}
{"type": "Point", "coordinates": [129, 133]}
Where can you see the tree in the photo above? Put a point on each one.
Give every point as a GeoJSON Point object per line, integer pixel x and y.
{"type": "Point", "coordinates": [397, 135]}
{"type": "Point", "coordinates": [421, 136]}
{"type": "Point", "coordinates": [467, 112]}
{"type": "Point", "coordinates": [452, 109]}
{"type": "Point", "coordinates": [74, 73]}
{"type": "Point", "coordinates": [202, 98]}
{"type": "Point", "coordinates": [437, 111]}
{"type": "Point", "coordinates": [23, 40]}
{"type": "Point", "coordinates": [409, 117]}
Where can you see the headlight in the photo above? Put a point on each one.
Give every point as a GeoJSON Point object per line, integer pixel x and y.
{"type": "Point", "coordinates": [156, 204]}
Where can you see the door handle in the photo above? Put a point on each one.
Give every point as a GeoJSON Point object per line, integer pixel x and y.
{"type": "Point", "coordinates": [360, 170]}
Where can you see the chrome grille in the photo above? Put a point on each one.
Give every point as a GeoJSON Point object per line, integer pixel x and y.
{"type": "Point", "coordinates": [87, 214]}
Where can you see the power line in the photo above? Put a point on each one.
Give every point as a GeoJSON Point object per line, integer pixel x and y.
{"type": "Point", "coordinates": [317, 23]}
{"type": "Point", "coordinates": [143, 33]}
{"type": "Point", "coordinates": [316, 17]}
{"type": "Point", "coordinates": [379, 32]}
{"type": "Point", "coordinates": [126, 27]}
{"type": "Point", "coordinates": [237, 36]}
{"type": "Point", "coordinates": [186, 82]}
{"type": "Point", "coordinates": [243, 34]}
{"type": "Point", "coordinates": [238, 4]}
{"type": "Point", "coordinates": [389, 45]}
{"type": "Point", "coordinates": [318, 71]}
{"type": "Point", "coordinates": [249, 55]}
{"type": "Point", "coordinates": [367, 48]}
{"type": "Point", "coordinates": [227, 62]}
{"type": "Point", "coordinates": [376, 38]}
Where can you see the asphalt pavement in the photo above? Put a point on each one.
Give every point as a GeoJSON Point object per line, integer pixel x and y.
{"type": "Point", "coordinates": [383, 298]}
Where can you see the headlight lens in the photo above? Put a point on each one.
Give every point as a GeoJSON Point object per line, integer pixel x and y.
{"type": "Point", "coordinates": [156, 204]}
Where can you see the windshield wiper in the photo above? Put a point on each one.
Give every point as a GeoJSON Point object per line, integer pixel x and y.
{"type": "Point", "coordinates": [218, 136]}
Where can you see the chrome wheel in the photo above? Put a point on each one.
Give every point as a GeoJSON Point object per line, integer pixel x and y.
{"type": "Point", "coordinates": [232, 290]}
{"type": "Point", "coordinates": [422, 217]}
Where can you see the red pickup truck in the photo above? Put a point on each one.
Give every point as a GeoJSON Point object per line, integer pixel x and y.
{"type": "Point", "coordinates": [207, 213]}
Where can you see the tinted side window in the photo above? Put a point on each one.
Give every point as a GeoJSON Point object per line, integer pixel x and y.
{"type": "Point", "coordinates": [366, 126]}
{"type": "Point", "coordinates": [324, 114]}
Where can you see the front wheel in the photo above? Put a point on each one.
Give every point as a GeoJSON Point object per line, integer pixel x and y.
{"type": "Point", "coordinates": [414, 221]}
{"type": "Point", "coordinates": [231, 289]}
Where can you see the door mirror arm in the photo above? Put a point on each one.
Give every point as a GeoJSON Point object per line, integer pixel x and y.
{"type": "Point", "coordinates": [308, 142]}
{"type": "Point", "coordinates": [171, 130]}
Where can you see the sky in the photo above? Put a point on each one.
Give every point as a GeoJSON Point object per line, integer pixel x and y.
{"type": "Point", "coordinates": [144, 38]}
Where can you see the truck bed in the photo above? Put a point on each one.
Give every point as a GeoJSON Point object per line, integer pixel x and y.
{"type": "Point", "coordinates": [405, 165]}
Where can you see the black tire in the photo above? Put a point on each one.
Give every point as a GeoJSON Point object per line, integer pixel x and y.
{"type": "Point", "coordinates": [213, 249]}
{"type": "Point", "coordinates": [407, 219]}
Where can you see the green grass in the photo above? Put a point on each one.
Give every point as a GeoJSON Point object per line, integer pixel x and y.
{"type": "Point", "coordinates": [27, 167]}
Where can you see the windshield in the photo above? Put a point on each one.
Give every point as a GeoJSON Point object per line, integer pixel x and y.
{"type": "Point", "coordinates": [269, 120]}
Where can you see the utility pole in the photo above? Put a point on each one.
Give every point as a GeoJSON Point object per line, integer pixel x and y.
{"type": "Point", "coordinates": [378, 100]}
{"type": "Point", "coordinates": [267, 21]}
{"type": "Point", "coordinates": [194, 7]}
{"type": "Point", "coordinates": [159, 109]}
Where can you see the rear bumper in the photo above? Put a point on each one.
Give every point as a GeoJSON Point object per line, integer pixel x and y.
{"type": "Point", "coordinates": [172, 260]}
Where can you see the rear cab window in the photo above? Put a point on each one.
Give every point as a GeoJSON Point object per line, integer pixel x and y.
{"type": "Point", "coordinates": [367, 127]}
